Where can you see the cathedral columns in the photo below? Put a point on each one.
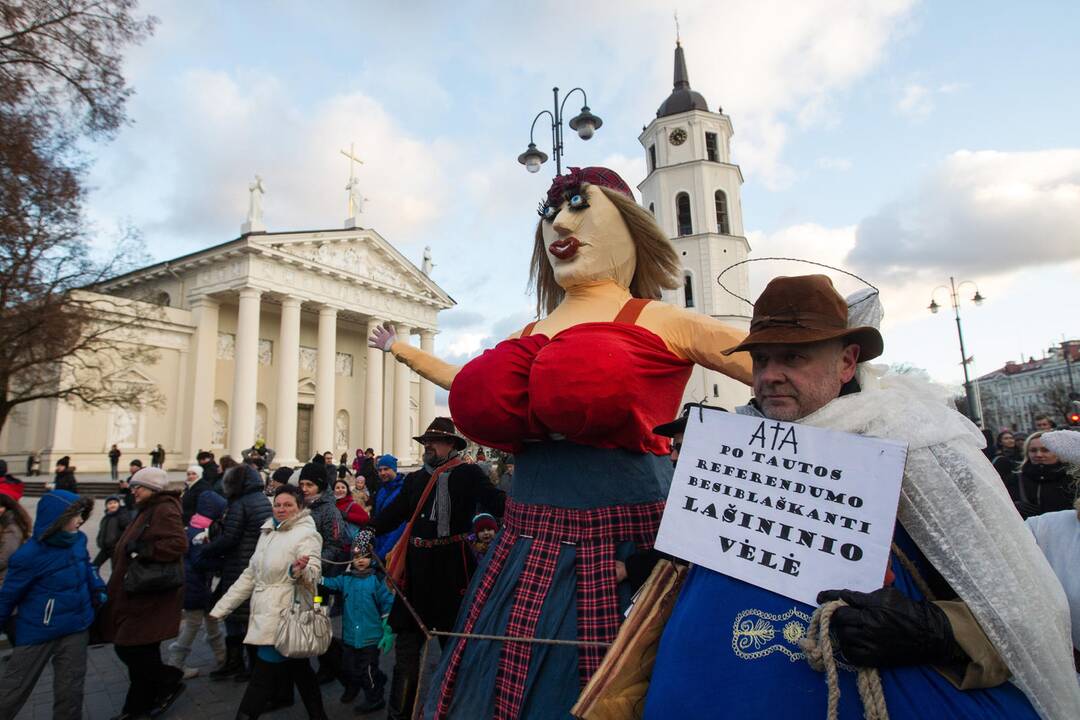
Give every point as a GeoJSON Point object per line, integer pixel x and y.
{"type": "Point", "coordinates": [288, 362]}
{"type": "Point", "coordinates": [373, 394]}
{"type": "Point", "coordinates": [402, 381]}
{"type": "Point", "coordinates": [245, 378]}
{"type": "Point", "coordinates": [322, 421]}
{"type": "Point", "coordinates": [427, 388]}
{"type": "Point", "coordinates": [203, 358]}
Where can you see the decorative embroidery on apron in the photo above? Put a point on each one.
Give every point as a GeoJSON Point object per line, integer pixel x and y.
{"type": "Point", "coordinates": [756, 634]}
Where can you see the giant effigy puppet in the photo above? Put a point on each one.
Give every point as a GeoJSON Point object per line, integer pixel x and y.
{"type": "Point", "coordinates": [574, 396]}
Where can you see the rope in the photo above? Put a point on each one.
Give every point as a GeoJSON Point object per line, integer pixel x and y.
{"type": "Point", "coordinates": [916, 576]}
{"type": "Point", "coordinates": [431, 633]}
{"type": "Point", "coordinates": [817, 645]}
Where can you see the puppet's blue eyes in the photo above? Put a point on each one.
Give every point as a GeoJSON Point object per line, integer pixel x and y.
{"type": "Point", "coordinates": [550, 212]}
{"type": "Point", "coordinates": [577, 201]}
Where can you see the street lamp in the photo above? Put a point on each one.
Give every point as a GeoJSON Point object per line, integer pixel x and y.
{"type": "Point", "coordinates": [584, 123]}
{"type": "Point", "coordinates": [953, 289]}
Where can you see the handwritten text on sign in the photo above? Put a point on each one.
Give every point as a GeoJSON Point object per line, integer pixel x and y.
{"type": "Point", "coordinates": [787, 507]}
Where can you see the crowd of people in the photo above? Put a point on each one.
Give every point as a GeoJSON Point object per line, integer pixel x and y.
{"type": "Point", "coordinates": [220, 556]}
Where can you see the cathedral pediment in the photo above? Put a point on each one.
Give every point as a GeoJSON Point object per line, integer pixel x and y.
{"type": "Point", "coordinates": [362, 255]}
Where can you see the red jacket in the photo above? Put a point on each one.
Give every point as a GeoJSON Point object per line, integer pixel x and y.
{"type": "Point", "coordinates": [352, 511]}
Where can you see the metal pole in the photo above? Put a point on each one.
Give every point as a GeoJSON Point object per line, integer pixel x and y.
{"type": "Point", "coordinates": [556, 131]}
{"type": "Point", "coordinates": [1066, 347]}
{"type": "Point", "coordinates": [973, 413]}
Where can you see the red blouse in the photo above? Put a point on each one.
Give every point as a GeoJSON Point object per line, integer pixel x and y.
{"type": "Point", "coordinates": [604, 384]}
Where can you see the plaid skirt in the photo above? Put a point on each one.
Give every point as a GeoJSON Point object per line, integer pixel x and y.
{"type": "Point", "coordinates": [550, 574]}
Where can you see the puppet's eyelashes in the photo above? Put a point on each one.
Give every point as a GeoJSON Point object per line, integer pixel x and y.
{"type": "Point", "coordinates": [577, 201]}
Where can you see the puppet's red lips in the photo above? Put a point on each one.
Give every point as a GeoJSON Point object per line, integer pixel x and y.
{"type": "Point", "coordinates": [565, 248]}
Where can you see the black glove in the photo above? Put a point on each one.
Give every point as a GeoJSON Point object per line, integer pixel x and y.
{"type": "Point", "coordinates": [886, 628]}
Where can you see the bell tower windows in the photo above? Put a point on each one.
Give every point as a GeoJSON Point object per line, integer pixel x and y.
{"type": "Point", "coordinates": [711, 150]}
{"type": "Point", "coordinates": [723, 226]}
{"type": "Point", "coordinates": [682, 214]}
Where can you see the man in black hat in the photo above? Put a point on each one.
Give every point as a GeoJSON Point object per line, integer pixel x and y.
{"type": "Point", "coordinates": [440, 500]}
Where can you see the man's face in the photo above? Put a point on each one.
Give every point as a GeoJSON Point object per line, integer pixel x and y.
{"type": "Point", "coordinates": [436, 450]}
{"type": "Point", "coordinates": [676, 447]}
{"type": "Point", "coordinates": [329, 458]}
{"type": "Point", "coordinates": [309, 488]}
{"type": "Point", "coordinates": [792, 381]}
{"type": "Point", "coordinates": [387, 474]}
{"type": "Point", "coordinates": [1044, 425]}
{"type": "Point", "coordinates": [134, 469]}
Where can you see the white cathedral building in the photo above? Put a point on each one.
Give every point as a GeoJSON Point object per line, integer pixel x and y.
{"type": "Point", "coordinates": [693, 190]}
{"type": "Point", "coordinates": [265, 336]}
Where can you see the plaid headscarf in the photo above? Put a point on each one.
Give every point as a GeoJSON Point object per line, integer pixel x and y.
{"type": "Point", "coordinates": [593, 175]}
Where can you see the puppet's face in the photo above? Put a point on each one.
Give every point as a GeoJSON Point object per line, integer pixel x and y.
{"type": "Point", "coordinates": [587, 240]}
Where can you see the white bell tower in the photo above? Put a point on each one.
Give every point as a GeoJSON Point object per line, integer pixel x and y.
{"type": "Point", "coordinates": [693, 190]}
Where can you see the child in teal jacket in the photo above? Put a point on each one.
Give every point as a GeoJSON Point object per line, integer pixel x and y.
{"type": "Point", "coordinates": [363, 625]}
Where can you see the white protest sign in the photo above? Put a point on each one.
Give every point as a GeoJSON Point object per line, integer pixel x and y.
{"type": "Point", "coordinates": [790, 508]}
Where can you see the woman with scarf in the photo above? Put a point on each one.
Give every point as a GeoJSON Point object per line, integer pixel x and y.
{"type": "Point", "coordinates": [574, 396]}
{"type": "Point", "coordinates": [1045, 484]}
{"type": "Point", "coordinates": [1007, 460]}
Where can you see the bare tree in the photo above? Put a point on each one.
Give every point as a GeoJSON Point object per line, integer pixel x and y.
{"type": "Point", "coordinates": [1056, 399]}
{"type": "Point", "coordinates": [60, 81]}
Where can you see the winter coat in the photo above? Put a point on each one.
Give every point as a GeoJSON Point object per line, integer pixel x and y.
{"type": "Point", "coordinates": [11, 539]}
{"type": "Point", "coordinates": [390, 490]}
{"type": "Point", "coordinates": [109, 532]}
{"type": "Point", "coordinates": [190, 499]}
{"type": "Point", "coordinates": [1044, 488]}
{"type": "Point", "coordinates": [371, 475]}
{"type": "Point", "coordinates": [11, 485]}
{"type": "Point", "coordinates": [267, 580]}
{"type": "Point", "coordinates": [329, 523]}
{"type": "Point", "coordinates": [248, 509]}
{"type": "Point", "coordinates": [54, 589]}
{"type": "Point", "coordinates": [352, 511]}
{"type": "Point", "coordinates": [155, 534]}
{"type": "Point", "coordinates": [1007, 463]}
{"type": "Point", "coordinates": [198, 574]}
{"type": "Point", "coordinates": [437, 577]}
{"type": "Point", "coordinates": [367, 602]}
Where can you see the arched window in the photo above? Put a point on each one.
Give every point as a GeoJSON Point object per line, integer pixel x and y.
{"type": "Point", "coordinates": [652, 210]}
{"type": "Point", "coordinates": [682, 212]}
{"type": "Point", "coordinates": [722, 225]}
{"type": "Point", "coordinates": [688, 290]}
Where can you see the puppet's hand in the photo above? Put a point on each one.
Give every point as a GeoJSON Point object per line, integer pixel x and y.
{"type": "Point", "coordinates": [382, 337]}
{"type": "Point", "coordinates": [886, 628]}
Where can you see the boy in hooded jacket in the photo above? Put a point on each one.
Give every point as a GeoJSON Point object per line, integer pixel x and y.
{"type": "Point", "coordinates": [363, 626]}
{"type": "Point", "coordinates": [113, 523]}
{"type": "Point", "coordinates": [55, 590]}
{"type": "Point", "coordinates": [198, 598]}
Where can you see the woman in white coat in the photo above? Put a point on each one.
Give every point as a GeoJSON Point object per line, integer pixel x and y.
{"type": "Point", "coordinates": [286, 560]}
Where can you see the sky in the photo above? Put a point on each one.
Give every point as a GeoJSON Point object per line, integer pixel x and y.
{"type": "Point", "coordinates": [907, 142]}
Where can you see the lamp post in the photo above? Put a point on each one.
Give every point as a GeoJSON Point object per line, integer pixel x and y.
{"type": "Point", "coordinates": [584, 123]}
{"type": "Point", "coordinates": [977, 298]}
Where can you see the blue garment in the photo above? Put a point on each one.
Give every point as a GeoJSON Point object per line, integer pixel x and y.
{"type": "Point", "coordinates": [367, 602]}
{"type": "Point", "coordinates": [54, 588]}
{"type": "Point", "coordinates": [198, 572]}
{"type": "Point", "coordinates": [383, 498]}
{"type": "Point", "coordinates": [730, 650]}
{"type": "Point", "coordinates": [566, 475]}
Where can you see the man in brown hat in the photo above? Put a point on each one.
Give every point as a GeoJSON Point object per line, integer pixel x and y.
{"type": "Point", "coordinates": [956, 616]}
{"type": "Point", "coordinates": [430, 563]}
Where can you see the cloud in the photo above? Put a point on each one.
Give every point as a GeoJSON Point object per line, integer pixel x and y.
{"type": "Point", "coordinates": [984, 212]}
{"type": "Point", "coordinates": [838, 164]}
{"type": "Point", "coordinates": [456, 318]}
{"type": "Point", "coordinates": [916, 101]}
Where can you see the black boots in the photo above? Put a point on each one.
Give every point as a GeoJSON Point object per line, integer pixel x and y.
{"type": "Point", "coordinates": [402, 697]}
{"type": "Point", "coordinates": [234, 659]}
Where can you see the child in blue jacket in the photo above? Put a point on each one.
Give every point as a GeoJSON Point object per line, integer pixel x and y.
{"type": "Point", "coordinates": [367, 603]}
{"type": "Point", "coordinates": [55, 589]}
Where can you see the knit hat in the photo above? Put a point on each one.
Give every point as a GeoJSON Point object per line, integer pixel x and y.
{"type": "Point", "coordinates": [204, 455]}
{"type": "Point", "coordinates": [1063, 443]}
{"type": "Point", "coordinates": [282, 474]}
{"type": "Point", "coordinates": [113, 497]}
{"type": "Point", "coordinates": [314, 472]}
{"type": "Point", "coordinates": [363, 542]}
{"type": "Point", "coordinates": [197, 469]}
{"type": "Point", "coordinates": [483, 521]}
{"type": "Point", "coordinates": [151, 478]}
{"type": "Point", "coordinates": [389, 461]}
{"type": "Point", "coordinates": [210, 505]}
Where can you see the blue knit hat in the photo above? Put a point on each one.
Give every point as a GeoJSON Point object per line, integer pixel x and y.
{"type": "Point", "coordinates": [388, 461]}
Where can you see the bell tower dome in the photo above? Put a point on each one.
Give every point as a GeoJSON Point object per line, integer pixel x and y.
{"type": "Point", "coordinates": [693, 190]}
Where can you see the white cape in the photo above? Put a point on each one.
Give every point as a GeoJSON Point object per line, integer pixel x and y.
{"type": "Point", "coordinates": [956, 509]}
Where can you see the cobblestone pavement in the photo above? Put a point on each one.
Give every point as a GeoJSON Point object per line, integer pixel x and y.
{"type": "Point", "coordinates": [106, 677]}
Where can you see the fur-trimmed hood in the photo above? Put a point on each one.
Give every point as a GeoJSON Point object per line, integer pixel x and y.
{"type": "Point", "coordinates": [56, 508]}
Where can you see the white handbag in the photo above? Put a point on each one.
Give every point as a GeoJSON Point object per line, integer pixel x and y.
{"type": "Point", "coordinates": [304, 630]}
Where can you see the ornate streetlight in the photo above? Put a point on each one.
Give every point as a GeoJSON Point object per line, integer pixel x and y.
{"type": "Point", "coordinates": [953, 290]}
{"type": "Point", "coordinates": [584, 123]}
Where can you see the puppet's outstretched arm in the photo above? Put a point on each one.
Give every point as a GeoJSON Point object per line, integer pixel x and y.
{"type": "Point", "coordinates": [699, 338]}
{"type": "Point", "coordinates": [425, 364]}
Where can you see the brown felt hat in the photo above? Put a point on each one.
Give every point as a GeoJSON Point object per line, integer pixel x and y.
{"type": "Point", "coordinates": [442, 428]}
{"type": "Point", "coordinates": [806, 309]}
